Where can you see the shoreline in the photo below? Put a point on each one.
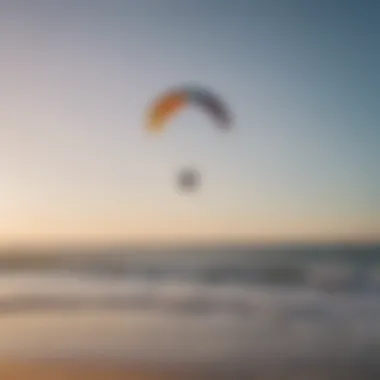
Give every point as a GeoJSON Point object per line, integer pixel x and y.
{"type": "Point", "coordinates": [82, 369]}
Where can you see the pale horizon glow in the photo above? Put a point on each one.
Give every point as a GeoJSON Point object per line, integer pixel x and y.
{"type": "Point", "coordinates": [300, 164]}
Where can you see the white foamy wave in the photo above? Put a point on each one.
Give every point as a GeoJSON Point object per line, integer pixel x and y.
{"type": "Point", "coordinates": [233, 322]}
{"type": "Point", "coordinates": [51, 291]}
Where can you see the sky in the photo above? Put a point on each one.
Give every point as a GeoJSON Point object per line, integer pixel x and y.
{"type": "Point", "coordinates": [301, 78]}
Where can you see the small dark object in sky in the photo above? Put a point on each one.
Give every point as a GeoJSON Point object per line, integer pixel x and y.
{"type": "Point", "coordinates": [188, 179]}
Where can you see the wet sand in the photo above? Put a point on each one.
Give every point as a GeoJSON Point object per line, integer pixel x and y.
{"type": "Point", "coordinates": [83, 370]}
{"type": "Point", "coordinates": [107, 370]}
{"type": "Point", "coordinates": [61, 370]}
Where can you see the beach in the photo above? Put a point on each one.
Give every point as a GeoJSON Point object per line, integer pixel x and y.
{"type": "Point", "coordinates": [20, 370]}
{"type": "Point", "coordinates": [196, 315]}
{"type": "Point", "coordinates": [83, 370]}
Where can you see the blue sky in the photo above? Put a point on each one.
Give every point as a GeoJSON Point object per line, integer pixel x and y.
{"type": "Point", "coordinates": [301, 77]}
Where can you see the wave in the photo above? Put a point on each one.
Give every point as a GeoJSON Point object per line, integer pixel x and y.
{"type": "Point", "coordinates": [330, 277]}
{"type": "Point", "coordinates": [26, 292]}
{"type": "Point", "coordinates": [234, 321]}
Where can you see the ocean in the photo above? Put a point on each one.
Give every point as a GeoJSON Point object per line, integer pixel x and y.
{"type": "Point", "coordinates": [259, 307]}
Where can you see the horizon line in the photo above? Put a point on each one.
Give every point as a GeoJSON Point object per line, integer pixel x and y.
{"type": "Point", "coordinates": [184, 243]}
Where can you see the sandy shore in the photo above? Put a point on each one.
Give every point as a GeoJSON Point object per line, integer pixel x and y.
{"type": "Point", "coordinates": [107, 370]}
{"type": "Point", "coordinates": [62, 370]}
{"type": "Point", "coordinates": [81, 370]}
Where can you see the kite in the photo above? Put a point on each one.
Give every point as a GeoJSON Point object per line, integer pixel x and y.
{"type": "Point", "coordinates": [172, 101]}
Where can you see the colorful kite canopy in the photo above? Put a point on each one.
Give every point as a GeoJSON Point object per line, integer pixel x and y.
{"type": "Point", "coordinates": [171, 102]}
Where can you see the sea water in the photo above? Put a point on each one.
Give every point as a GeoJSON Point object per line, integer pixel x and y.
{"type": "Point", "coordinates": [239, 306]}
